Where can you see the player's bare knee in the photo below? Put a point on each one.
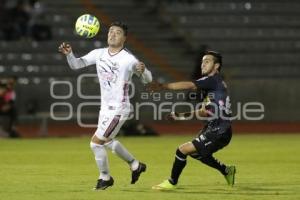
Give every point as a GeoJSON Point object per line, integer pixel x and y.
{"type": "Point", "coordinates": [182, 149]}
{"type": "Point", "coordinates": [94, 146]}
{"type": "Point", "coordinates": [186, 148]}
{"type": "Point", "coordinates": [96, 140]}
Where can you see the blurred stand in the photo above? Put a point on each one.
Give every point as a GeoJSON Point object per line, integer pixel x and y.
{"type": "Point", "coordinates": [24, 20]}
{"type": "Point", "coordinates": [136, 128]}
{"type": "Point", "coordinates": [38, 27]}
{"type": "Point", "coordinates": [8, 110]}
{"type": "Point", "coordinates": [155, 6]}
{"type": "Point", "coordinates": [14, 20]}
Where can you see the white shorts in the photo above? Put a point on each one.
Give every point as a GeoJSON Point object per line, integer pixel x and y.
{"type": "Point", "coordinates": [109, 124]}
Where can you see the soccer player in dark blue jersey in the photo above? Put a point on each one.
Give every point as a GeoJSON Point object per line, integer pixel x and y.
{"type": "Point", "coordinates": [215, 109]}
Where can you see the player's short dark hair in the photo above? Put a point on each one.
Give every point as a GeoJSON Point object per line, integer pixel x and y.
{"type": "Point", "coordinates": [217, 57]}
{"type": "Point", "coordinates": [122, 25]}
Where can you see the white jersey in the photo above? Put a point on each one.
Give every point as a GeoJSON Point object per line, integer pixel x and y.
{"type": "Point", "coordinates": [114, 74]}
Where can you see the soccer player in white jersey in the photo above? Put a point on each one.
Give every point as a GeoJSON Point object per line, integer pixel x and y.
{"type": "Point", "coordinates": [115, 67]}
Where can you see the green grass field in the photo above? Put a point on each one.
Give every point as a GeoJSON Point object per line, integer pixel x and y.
{"type": "Point", "coordinates": [64, 168]}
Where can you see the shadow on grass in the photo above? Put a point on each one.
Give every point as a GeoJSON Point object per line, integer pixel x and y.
{"type": "Point", "coordinates": [238, 190]}
{"type": "Point", "coordinates": [143, 190]}
{"type": "Point", "coordinates": [242, 189]}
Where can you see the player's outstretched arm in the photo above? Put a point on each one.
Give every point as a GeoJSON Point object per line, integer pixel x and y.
{"type": "Point", "coordinates": [74, 63]}
{"type": "Point", "coordinates": [183, 85]}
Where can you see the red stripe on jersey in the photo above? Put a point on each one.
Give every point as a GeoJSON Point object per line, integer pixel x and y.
{"type": "Point", "coordinates": [125, 92]}
{"type": "Point", "coordinates": [112, 126]}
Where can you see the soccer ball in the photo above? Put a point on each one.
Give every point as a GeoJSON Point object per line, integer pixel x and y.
{"type": "Point", "coordinates": [87, 26]}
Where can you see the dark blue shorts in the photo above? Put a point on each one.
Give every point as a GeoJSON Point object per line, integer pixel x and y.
{"type": "Point", "coordinates": [212, 139]}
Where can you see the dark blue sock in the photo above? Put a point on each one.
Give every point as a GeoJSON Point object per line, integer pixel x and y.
{"type": "Point", "coordinates": [178, 165]}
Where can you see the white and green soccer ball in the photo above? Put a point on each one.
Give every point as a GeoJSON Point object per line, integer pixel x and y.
{"type": "Point", "coordinates": [87, 26]}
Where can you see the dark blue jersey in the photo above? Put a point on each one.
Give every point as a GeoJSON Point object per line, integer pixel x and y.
{"type": "Point", "coordinates": [215, 98]}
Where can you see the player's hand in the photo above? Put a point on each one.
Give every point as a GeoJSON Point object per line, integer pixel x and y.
{"type": "Point", "coordinates": [140, 67]}
{"type": "Point", "coordinates": [154, 86]}
{"type": "Point", "coordinates": [65, 48]}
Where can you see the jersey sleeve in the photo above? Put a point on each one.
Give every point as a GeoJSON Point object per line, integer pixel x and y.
{"type": "Point", "coordinates": [145, 77]}
{"type": "Point", "coordinates": [205, 83]}
{"type": "Point", "coordinates": [133, 63]}
{"type": "Point", "coordinates": [91, 57]}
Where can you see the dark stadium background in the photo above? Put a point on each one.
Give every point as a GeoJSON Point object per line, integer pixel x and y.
{"type": "Point", "coordinates": [259, 40]}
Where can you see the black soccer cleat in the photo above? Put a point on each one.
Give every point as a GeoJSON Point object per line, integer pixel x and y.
{"type": "Point", "coordinates": [136, 173]}
{"type": "Point", "coordinates": [102, 184]}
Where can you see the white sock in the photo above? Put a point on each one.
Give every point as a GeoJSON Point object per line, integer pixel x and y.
{"type": "Point", "coordinates": [123, 153]}
{"type": "Point", "coordinates": [134, 165]}
{"type": "Point", "coordinates": [101, 160]}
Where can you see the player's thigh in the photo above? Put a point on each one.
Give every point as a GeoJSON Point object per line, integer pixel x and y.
{"type": "Point", "coordinates": [220, 134]}
{"type": "Point", "coordinates": [116, 130]}
{"type": "Point", "coordinates": [212, 140]}
{"type": "Point", "coordinates": [109, 125]}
